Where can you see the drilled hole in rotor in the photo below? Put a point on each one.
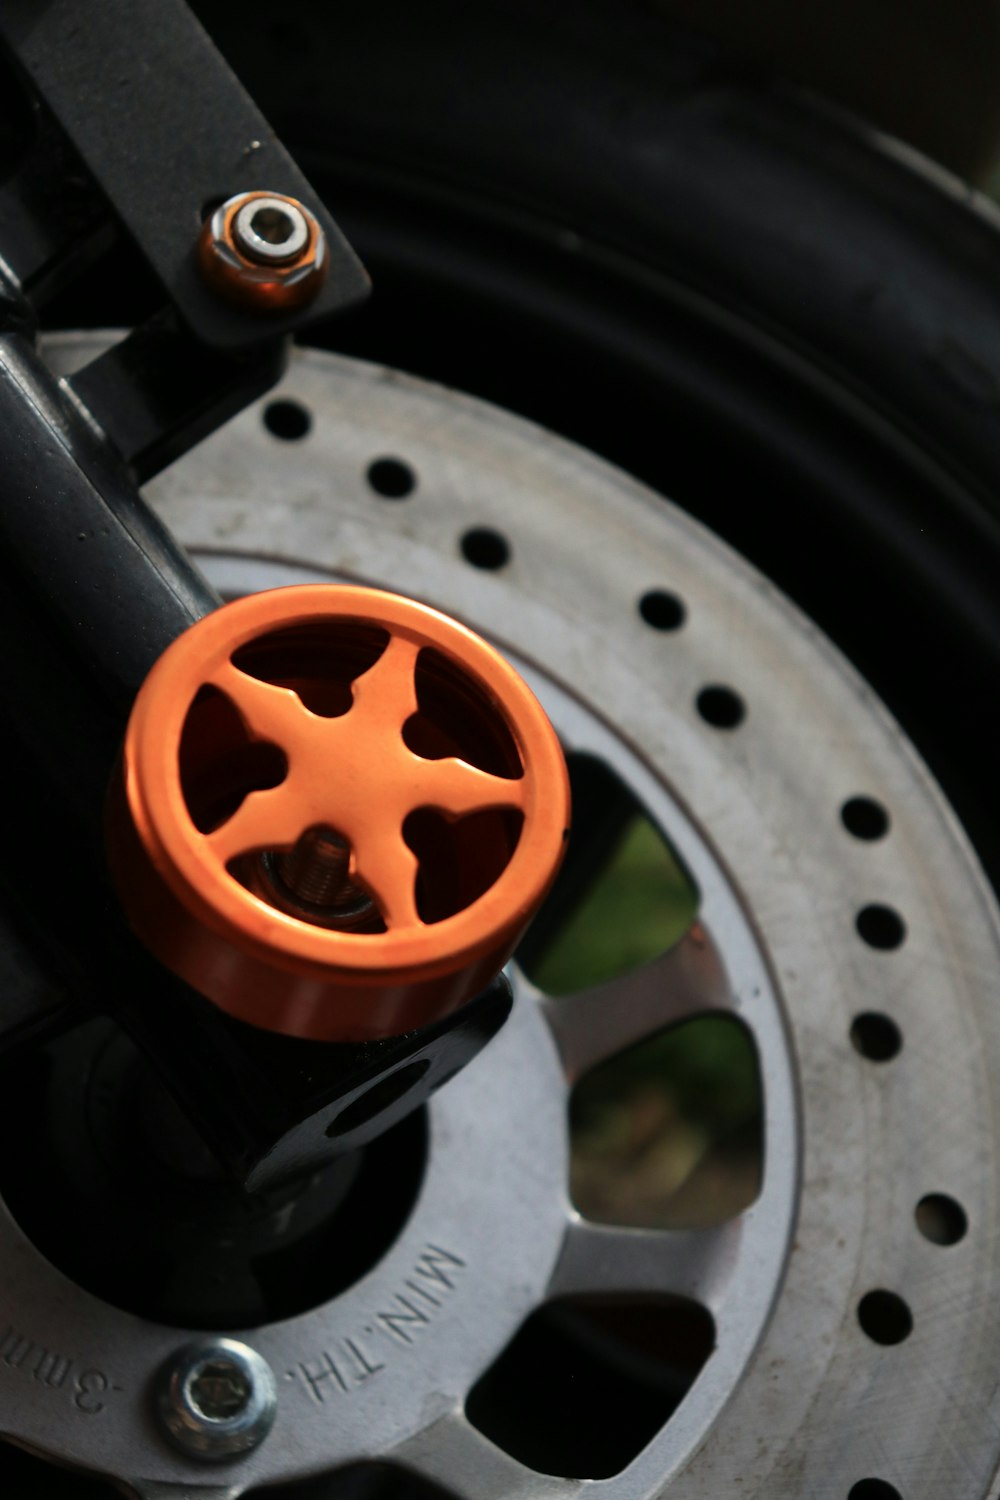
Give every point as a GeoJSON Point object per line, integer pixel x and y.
{"type": "Point", "coordinates": [456, 717]}
{"type": "Point", "coordinates": [885, 1317]}
{"type": "Point", "coordinates": [485, 548]}
{"type": "Point", "coordinates": [391, 478]}
{"type": "Point", "coordinates": [881, 927]}
{"type": "Point", "coordinates": [622, 896]}
{"type": "Point", "coordinates": [318, 661]}
{"type": "Point", "coordinates": [721, 707]}
{"type": "Point", "coordinates": [459, 858]}
{"type": "Point", "coordinates": [873, 1489]}
{"type": "Point", "coordinates": [662, 610]}
{"type": "Point", "coordinates": [941, 1219]}
{"type": "Point", "coordinates": [287, 420]}
{"type": "Point", "coordinates": [219, 763]}
{"type": "Point", "coordinates": [669, 1134]}
{"type": "Point", "coordinates": [586, 1383]}
{"type": "Point", "coordinates": [864, 818]}
{"type": "Point", "coordinates": [876, 1036]}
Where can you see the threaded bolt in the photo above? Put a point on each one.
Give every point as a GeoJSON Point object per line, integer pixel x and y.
{"type": "Point", "coordinates": [316, 869]}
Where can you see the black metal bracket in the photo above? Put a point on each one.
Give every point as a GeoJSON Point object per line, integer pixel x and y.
{"type": "Point", "coordinates": [138, 126]}
{"type": "Point", "coordinates": [146, 129]}
{"type": "Point", "coordinates": [165, 130]}
{"type": "Point", "coordinates": [273, 1109]}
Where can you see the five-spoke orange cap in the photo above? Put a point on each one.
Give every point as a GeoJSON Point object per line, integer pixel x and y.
{"type": "Point", "coordinates": [337, 811]}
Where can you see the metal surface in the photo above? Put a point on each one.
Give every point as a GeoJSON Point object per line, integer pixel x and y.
{"type": "Point", "coordinates": [75, 532]}
{"type": "Point", "coordinates": [422, 720]}
{"type": "Point", "coordinates": [94, 588]}
{"type": "Point", "coordinates": [161, 81]}
{"type": "Point", "coordinates": [760, 307]}
{"type": "Point", "coordinates": [157, 392]}
{"type": "Point", "coordinates": [217, 1399]}
{"type": "Point", "coordinates": [288, 231]}
{"type": "Point", "coordinates": [796, 1399]}
{"type": "Point", "coordinates": [264, 252]}
{"type": "Point", "coordinates": [54, 219]}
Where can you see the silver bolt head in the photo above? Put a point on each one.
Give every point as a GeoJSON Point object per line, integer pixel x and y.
{"type": "Point", "coordinates": [216, 1399]}
{"type": "Point", "coordinates": [271, 231]}
{"type": "Point", "coordinates": [264, 251]}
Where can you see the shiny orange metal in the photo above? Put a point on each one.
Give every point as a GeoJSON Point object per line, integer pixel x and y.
{"type": "Point", "coordinates": [356, 727]}
{"type": "Point", "coordinates": [273, 287]}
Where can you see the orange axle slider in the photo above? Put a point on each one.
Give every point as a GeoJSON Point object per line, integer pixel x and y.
{"type": "Point", "coordinates": [337, 811]}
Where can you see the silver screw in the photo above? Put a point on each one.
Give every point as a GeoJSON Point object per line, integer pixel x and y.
{"type": "Point", "coordinates": [216, 1399]}
{"type": "Point", "coordinates": [271, 231]}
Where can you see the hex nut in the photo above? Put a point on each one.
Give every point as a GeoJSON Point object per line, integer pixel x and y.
{"type": "Point", "coordinates": [264, 251]}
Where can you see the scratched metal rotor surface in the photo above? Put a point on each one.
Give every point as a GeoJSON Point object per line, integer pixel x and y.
{"type": "Point", "coordinates": [797, 1399]}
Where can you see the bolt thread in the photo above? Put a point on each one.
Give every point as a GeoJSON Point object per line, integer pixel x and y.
{"type": "Point", "coordinates": [316, 870]}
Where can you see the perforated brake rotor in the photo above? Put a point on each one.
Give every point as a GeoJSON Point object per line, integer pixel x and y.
{"type": "Point", "coordinates": [548, 553]}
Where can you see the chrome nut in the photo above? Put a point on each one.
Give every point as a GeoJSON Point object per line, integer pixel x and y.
{"type": "Point", "coordinates": [263, 250]}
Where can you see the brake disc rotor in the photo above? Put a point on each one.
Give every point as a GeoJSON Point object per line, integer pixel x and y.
{"type": "Point", "coordinates": [744, 736]}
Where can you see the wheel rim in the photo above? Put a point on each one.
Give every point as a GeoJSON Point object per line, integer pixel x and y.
{"type": "Point", "coordinates": [851, 1146]}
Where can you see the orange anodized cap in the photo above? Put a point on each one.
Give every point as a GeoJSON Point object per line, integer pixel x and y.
{"type": "Point", "coordinates": [337, 811]}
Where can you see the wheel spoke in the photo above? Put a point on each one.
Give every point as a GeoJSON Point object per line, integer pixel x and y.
{"type": "Point", "coordinates": [264, 820]}
{"type": "Point", "coordinates": [608, 1260]}
{"type": "Point", "coordinates": [454, 787]}
{"type": "Point", "coordinates": [269, 712]}
{"type": "Point", "coordinates": [387, 867]}
{"type": "Point", "coordinates": [454, 1454]}
{"type": "Point", "coordinates": [386, 695]}
{"type": "Point", "coordinates": [596, 1023]}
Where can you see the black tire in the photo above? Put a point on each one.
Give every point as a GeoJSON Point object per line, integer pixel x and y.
{"type": "Point", "coordinates": [786, 323]}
